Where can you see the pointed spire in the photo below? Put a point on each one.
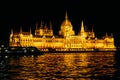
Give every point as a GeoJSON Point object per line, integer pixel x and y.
{"type": "Point", "coordinates": [85, 28]}
{"type": "Point", "coordinates": [66, 16]}
{"type": "Point", "coordinates": [92, 29]}
{"type": "Point", "coordinates": [50, 25]}
{"type": "Point", "coordinates": [30, 30]}
{"type": "Point", "coordinates": [45, 27]}
{"type": "Point", "coordinates": [82, 26]}
{"type": "Point", "coordinates": [11, 31]}
{"type": "Point", "coordinates": [41, 25]}
{"type": "Point", "coordinates": [36, 25]}
{"type": "Point", "coordinates": [20, 29]}
{"type": "Point", "coordinates": [106, 34]}
{"type": "Point", "coordinates": [112, 34]}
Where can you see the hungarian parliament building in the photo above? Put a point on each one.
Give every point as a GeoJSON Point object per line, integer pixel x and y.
{"type": "Point", "coordinates": [44, 38]}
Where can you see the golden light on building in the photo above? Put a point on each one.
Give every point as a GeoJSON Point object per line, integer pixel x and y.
{"type": "Point", "coordinates": [44, 37]}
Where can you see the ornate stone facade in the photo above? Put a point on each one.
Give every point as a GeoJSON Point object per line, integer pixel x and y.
{"type": "Point", "coordinates": [44, 38]}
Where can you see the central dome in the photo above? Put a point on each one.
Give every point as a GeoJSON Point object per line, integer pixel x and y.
{"type": "Point", "coordinates": [66, 22]}
{"type": "Point", "coordinates": [66, 27]}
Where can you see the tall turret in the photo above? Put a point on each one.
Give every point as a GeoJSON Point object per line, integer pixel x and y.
{"type": "Point", "coordinates": [36, 25]}
{"type": "Point", "coordinates": [11, 34]}
{"type": "Point", "coordinates": [82, 32]}
{"type": "Point", "coordinates": [20, 29]}
{"type": "Point", "coordinates": [30, 31]}
{"type": "Point", "coordinates": [39, 31]}
{"type": "Point", "coordinates": [82, 27]}
{"type": "Point", "coordinates": [41, 25]}
{"type": "Point", "coordinates": [50, 25]}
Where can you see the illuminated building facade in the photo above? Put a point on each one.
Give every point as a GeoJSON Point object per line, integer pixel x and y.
{"type": "Point", "coordinates": [44, 38]}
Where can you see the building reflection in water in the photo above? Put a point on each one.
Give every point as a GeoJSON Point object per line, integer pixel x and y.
{"type": "Point", "coordinates": [90, 65]}
{"type": "Point", "coordinates": [61, 66]}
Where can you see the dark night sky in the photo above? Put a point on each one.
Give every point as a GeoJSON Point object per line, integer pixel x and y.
{"type": "Point", "coordinates": [102, 16]}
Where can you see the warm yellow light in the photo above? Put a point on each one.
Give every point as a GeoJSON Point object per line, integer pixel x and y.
{"type": "Point", "coordinates": [44, 38]}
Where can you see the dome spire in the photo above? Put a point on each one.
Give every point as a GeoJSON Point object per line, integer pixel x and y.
{"type": "Point", "coordinates": [66, 16]}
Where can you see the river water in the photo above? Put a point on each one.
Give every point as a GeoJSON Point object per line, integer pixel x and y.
{"type": "Point", "coordinates": [62, 66]}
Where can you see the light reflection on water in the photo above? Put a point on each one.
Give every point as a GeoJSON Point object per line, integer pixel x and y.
{"type": "Point", "coordinates": [60, 66]}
